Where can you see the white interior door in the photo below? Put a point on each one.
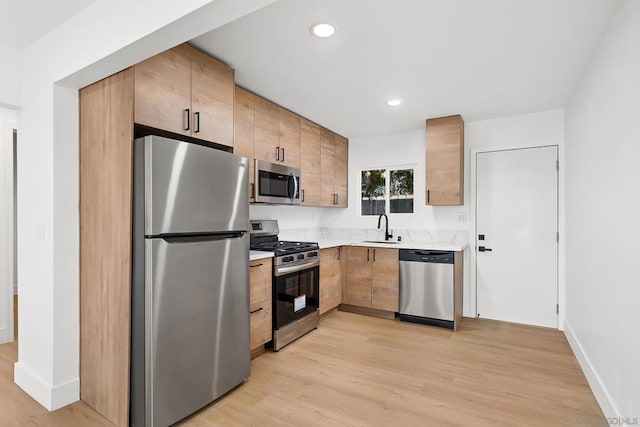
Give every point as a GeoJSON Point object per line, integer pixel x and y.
{"type": "Point", "coordinates": [516, 241]}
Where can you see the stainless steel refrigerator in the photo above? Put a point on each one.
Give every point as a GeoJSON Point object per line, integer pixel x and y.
{"type": "Point", "coordinates": [190, 287]}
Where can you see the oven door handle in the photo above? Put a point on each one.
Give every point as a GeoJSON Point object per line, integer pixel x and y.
{"type": "Point", "coordinates": [282, 271]}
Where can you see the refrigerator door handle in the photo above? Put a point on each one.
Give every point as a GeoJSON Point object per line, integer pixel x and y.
{"type": "Point", "coordinates": [199, 237]}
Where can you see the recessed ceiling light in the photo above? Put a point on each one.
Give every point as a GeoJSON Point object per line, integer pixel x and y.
{"type": "Point", "coordinates": [394, 102]}
{"type": "Point", "coordinates": [322, 29]}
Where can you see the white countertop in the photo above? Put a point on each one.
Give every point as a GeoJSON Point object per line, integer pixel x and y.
{"type": "Point", "coordinates": [332, 243]}
{"type": "Point", "coordinates": [255, 255]}
{"type": "Point", "coordinates": [435, 246]}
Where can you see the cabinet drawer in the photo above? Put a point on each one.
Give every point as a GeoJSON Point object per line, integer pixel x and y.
{"type": "Point", "coordinates": [260, 322]}
{"type": "Point", "coordinates": [260, 280]}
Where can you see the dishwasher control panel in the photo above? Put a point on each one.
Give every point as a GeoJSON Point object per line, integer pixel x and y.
{"type": "Point", "coordinates": [420, 255]}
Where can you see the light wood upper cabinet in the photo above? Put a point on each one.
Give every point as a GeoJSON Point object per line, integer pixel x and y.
{"type": "Point", "coordinates": [334, 164]}
{"type": "Point", "coordinates": [277, 134]}
{"type": "Point", "coordinates": [289, 124]}
{"type": "Point", "coordinates": [310, 152]}
{"type": "Point", "coordinates": [163, 90]}
{"type": "Point", "coordinates": [260, 302]}
{"type": "Point", "coordinates": [445, 161]}
{"type": "Point", "coordinates": [327, 168]}
{"type": "Point", "coordinates": [341, 167]}
{"type": "Point", "coordinates": [187, 92]}
{"type": "Point", "coordinates": [373, 278]}
{"type": "Point", "coordinates": [244, 131]}
{"type": "Point", "coordinates": [212, 87]}
{"type": "Point", "coordinates": [267, 131]}
{"type": "Point", "coordinates": [330, 278]}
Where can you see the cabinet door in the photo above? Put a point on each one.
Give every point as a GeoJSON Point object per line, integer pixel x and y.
{"type": "Point", "coordinates": [212, 86]}
{"type": "Point", "coordinates": [260, 302]}
{"type": "Point", "coordinates": [163, 91]}
{"type": "Point", "coordinates": [244, 131]}
{"type": "Point", "coordinates": [341, 166]}
{"type": "Point", "coordinates": [327, 167]}
{"type": "Point", "coordinates": [385, 276]}
{"type": "Point", "coordinates": [330, 278]}
{"type": "Point", "coordinates": [289, 124]}
{"type": "Point", "coordinates": [310, 163]}
{"type": "Point", "coordinates": [267, 131]}
{"type": "Point", "coordinates": [359, 276]}
{"type": "Point", "coordinates": [445, 161]}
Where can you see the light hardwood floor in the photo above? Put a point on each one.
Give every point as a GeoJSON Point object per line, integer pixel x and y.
{"type": "Point", "coordinates": [359, 370]}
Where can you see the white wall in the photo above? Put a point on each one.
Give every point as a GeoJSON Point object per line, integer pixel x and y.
{"type": "Point", "coordinates": [603, 218]}
{"type": "Point", "coordinates": [97, 42]}
{"type": "Point", "coordinates": [528, 130]}
{"type": "Point", "coordinates": [9, 76]}
{"type": "Point", "coordinates": [8, 122]}
{"type": "Point", "coordinates": [408, 148]}
{"type": "Point", "coordinates": [398, 149]}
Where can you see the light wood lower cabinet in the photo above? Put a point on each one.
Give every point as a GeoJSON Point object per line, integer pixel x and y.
{"type": "Point", "coordinates": [372, 278]}
{"type": "Point", "coordinates": [330, 278]}
{"type": "Point", "coordinates": [260, 302]}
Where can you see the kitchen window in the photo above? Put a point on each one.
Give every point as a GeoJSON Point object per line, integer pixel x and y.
{"type": "Point", "coordinates": [388, 190]}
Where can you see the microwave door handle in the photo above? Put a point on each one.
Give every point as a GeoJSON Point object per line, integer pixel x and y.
{"type": "Point", "coordinates": [292, 179]}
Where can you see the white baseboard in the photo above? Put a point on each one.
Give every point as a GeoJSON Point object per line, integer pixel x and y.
{"type": "Point", "coordinates": [3, 336]}
{"type": "Point", "coordinates": [50, 397]}
{"type": "Point", "coordinates": [603, 397]}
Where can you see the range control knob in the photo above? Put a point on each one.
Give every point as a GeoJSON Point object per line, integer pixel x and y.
{"type": "Point", "coordinates": [287, 259]}
{"type": "Point", "coordinates": [301, 256]}
{"type": "Point", "coordinates": [312, 254]}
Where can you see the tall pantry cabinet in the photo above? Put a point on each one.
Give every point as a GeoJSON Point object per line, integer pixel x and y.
{"type": "Point", "coordinates": [182, 91]}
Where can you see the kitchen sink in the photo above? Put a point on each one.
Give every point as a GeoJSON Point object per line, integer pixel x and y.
{"type": "Point", "coordinates": [391, 242]}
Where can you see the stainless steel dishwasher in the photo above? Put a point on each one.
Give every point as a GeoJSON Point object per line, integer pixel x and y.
{"type": "Point", "coordinates": [426, 287]}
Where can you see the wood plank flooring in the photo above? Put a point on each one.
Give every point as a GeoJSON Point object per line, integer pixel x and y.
{"type": "Point", "coordinates": [366, 371]}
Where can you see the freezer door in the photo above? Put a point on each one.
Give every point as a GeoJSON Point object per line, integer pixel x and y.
{"type": "Point", "coordinates": [190, 188]}
{"type": "Point", "coordinates": [197, 330]}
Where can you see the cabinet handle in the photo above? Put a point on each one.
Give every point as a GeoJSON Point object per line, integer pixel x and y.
{"type": "Point", "coordinates": [256, 310]}
{"type": "Point", "coordinates": [278, 154]}
{"type": "Point", "coordinates": [302, 200]}
{"type": "Point", "coordinates": [368, 255]}
{"type": "Point", "coordinates": [427, 196]}
{"type": "Point", "coordinates": [339, 253]}
{"type": "Point", "coordinates": [282, 155]}
{"type": "Point", "coordinates": [374, 255]}
{"type": "Point", "coordinates": [257, 265]}
{"type": "Point", "coordinates": [337, 198]}
{"type": "Point", "coordinates": [197, 120]}
{"type": "Point", "coordinates": [187, 119]}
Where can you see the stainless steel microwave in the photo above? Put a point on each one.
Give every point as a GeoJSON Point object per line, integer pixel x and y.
{"type": "Point", "coordinates": [277, 184]}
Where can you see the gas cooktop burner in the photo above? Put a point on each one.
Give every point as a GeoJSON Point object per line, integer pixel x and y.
{"type": "Point", "coordinates": [284, 247]}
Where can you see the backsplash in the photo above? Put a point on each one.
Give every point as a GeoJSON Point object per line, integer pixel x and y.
{"type": "Point", "coordinates": [361, 234]}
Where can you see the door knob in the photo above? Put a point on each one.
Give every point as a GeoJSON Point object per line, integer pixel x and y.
{"type": "Point", "coordinates": [483, 249]}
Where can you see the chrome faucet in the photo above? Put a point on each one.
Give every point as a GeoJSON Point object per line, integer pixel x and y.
{"type": "Point", "coordinates": [387, 235]}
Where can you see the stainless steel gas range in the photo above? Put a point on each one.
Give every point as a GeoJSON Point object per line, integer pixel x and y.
{"type": "Point", "coordinates": [295, 285]}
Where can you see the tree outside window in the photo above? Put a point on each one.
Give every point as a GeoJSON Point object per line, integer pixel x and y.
{"type": "Point", "coordinates": [378, 192]}
{"type": "Point", "coordinates": [374, 184]}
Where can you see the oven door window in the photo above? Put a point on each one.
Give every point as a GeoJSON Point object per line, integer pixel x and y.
{"type": "Point", "coordinates": [296, 295]}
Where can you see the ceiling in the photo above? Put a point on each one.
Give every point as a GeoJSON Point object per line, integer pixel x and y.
{"type": "Point", "coordinates": [479, 58]}
{"type": "Point", "coordinates": [23, 22]}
